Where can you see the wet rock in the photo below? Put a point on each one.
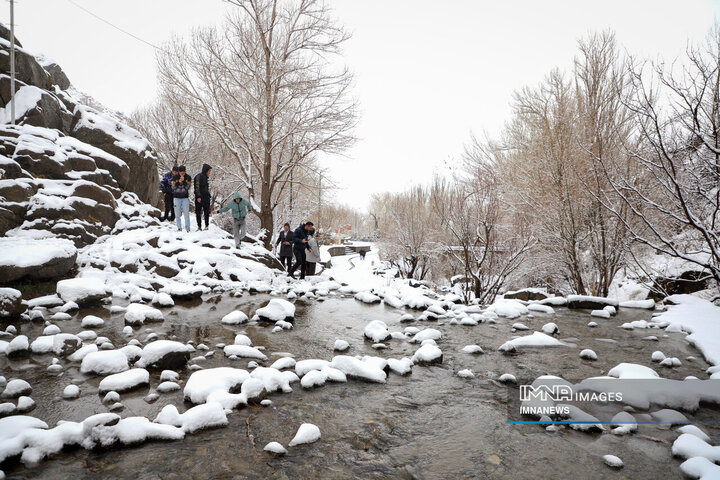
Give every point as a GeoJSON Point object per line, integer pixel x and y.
{"type": "Point", "coordinates": [164, 355]}
{"type": "Point", "coordinates": [18, 347]}
{"type": "Point", "coordinates": [526, 294]}
{"type": "Point", "coordinates": [83, 291]}
{"type": "Point", "coordinates": [590, 303]}
{"type": "Point", "coordinates": [11, 303]}
{"type": "Point", "coordinates": [16, 388]}
{"type": "Point", "coordinates": [55, 259]}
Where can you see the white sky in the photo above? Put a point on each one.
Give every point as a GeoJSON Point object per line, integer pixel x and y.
{"type": "Point", "coordinates": [428, 73]}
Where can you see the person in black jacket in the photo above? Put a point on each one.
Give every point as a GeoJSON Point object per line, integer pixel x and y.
{"type": "Point", "coordinates": [166, 189]}
{"type": "Point", "coordinates": [300, 245]}
{"type": "Point", "coordinates": [180, 186]}
{"type": "Point", "coordinates": [285, 240]}
{"type": "Point", "coordinates": [202, 196]}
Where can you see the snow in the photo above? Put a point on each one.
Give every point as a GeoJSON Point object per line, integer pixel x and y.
{"type": "Point", "coordinates": [700, 467]}
{"type": "Point", "coordinates": [520, 326]}
{"type": "Point", "coordinates": [550, 328]}
{"type": "Point", "coordinates": [276, 309]}
{"type": "Point", "coordinates": [313, 378]}
{"type": "Point", "coordinates": [79, 354]}
{"type": "Point", "coordinates": [104, 362]}
{"type": "Point", "coordinates": [155, 351]}
{"type": "Point", "coordinates": [644, 304]}
{"type": "Point", "coordinates": [234, 318]}
{"type": "Point", "coordinates": [275, 447]}
{"type": "Point", "coordinates": [138, 314]}
{"type": "Point", "coordinates": [244, 351]}
{"type": "Point", "coordinates": [466, 373]}
{"type": "Point", "coordinates": [587, 298]}
{"type": "Point", "coordinates": [241, 339]}
{"type": "Point", "coordinates": [26, 98]}
{"type": "Point", "coordinates": [632, 370]}
{"type": "Point", "coordinates": [202, 383]}
{"type": "Point", "coordinates": [588, 354]}
{"type": "Point", "coordinates": [274, 380]}
{"type": "Point", "coordinates": [304, 366]}
{"type": "Point", "coordinates": [307, 433]}
{"type": "Point", "coordinates": [613, 461]}
{"type": "Point", "coordinates": [402, 366]}
{"type": "Point", "coordinates": [79, 289]}
{"type": "Point", "coordinates": [341, 345]}
{"type": "Point", "coordinates": [600, 313]}
{"type": "Point", "coordinates": [367, 297]}
{"type": "Point", "coordinates": [91, 321]}
{"type": "Point", "coordinates": [162, 299]}
{"type": "Point", "coordinates": [428, 353]}
{"type": "Point", "coordinates": [508, 308]}
{"type": "Point", "coordinates": [428, 333]}
{"type": "Point", "coordinates": [694, 430]}
{"type": "Point", "coordinates": [688, 446]}
{"type": "Point", "coordinates": [507, 378]}
{"type": "Point", "coordinates": [377, 331]}
{"type": "Point", "coordinates": [356, 368]}
{"type": "Point", "coordinates": [284, 362]}
{"type": "Point", "coordinates": [699, 318]}
{"type": "Point", "coordinates": [71, 392]}
{"type": "Point", "coordinates": [124, 381]}
{"type": "Point", "coordinates": [473, 349]}
{"type": "Point", "coordinates": [18, 344]}
{"type": "Point", "coordinates": [16, 388]}
{"type": "Point", "coordinates": [538, 307]}
{"type": "Point", "coordinates": [535, 340]}
{"type": "Point", "coordinates": [199, 417]}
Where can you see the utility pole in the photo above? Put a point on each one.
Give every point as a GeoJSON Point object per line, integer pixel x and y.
{"type": "Point", "coordinates": [12, 60]}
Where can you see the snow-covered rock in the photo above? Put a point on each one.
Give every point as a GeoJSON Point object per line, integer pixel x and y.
{"type": "Point", "coordinates": [104, 362]}
{"type": "Point", "coordinates": [83, 291]}
{"type": "Point", "coordinates": [91, 321]}
{"type": "Point", "coordinates": [341, 345]}
{"type": "Point", "coordinates": [164, 355]}
{"type": "Point", "coordinates": [71, 392]}
{"type": "Point", "coordinates": [535, 340]}
{"type": "Point", "coordinates": [138, 314]}
{"type": "Point", "coordinates": [613, 461]}
{"type": "Point", "coordinates": [244, 351]}
{"type": "Point", "coordinates": [276, 448]}
{"type": "Point", "coordinates": [125, 381]}
{"type": "Point", "coordinates": [427, 354]}
{"type": "Point", "coordinates": [307, 433]}
{"type": "Point", "coordinates": [377, 331]}
{"type": "Point", "coordinates": [356, 368]}
{"type": "Point", "coordinates": [588, 354]}
{"type": "Point", "coordinates": [276, 309]}
{"type": "Point", "coordinates": [203, 383]}
{"type": "Point", "coordinates": [235, 317]}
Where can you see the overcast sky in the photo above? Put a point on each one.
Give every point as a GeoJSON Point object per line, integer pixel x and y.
{"type": "Point", "coordinates": [428, 73]}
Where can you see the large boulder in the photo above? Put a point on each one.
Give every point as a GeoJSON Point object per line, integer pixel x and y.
{"type": "Point", "coordinates": [35, 259]}
{"type": "Point", "coordinates": [526, 294]}
{"type": "Point", "coordinates": [27, 68]}
{"type": "Point", "coordinates": [83, 291]}
{"type": "Point", "coordinates": [686, 283]}
{"type": "Point", "coordinates": [590, 303]}
{"type": "Point", "coordinates": [127, 144]}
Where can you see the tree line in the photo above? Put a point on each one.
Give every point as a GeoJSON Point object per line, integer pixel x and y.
{"type": "Point", "coordinates": [596, 168]}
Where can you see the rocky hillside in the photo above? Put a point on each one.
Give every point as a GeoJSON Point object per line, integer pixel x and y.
{"type": "Point", "coordinates": [69, 173]}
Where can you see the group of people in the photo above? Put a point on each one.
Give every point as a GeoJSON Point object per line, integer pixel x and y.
{"type": "Point", "coordinates": [176, 184]}
{"type": "Point", "coordinates": [303, 244]}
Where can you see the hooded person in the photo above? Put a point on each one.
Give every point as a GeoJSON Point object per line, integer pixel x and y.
{"type": "Point", "coordinates": [166, 189]}
{"type": "Point", "coordinates": [239, 208]}
{"type": "Point", "coordinates": [202, 196]}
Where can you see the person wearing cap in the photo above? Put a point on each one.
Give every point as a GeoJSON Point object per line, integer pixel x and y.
{"type": "Point", "coordinates": [166, 189]}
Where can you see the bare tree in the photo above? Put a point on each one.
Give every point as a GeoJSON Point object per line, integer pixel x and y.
{"type": "Point", "coordinates": [265, 85]}
{"type": "Point", "coordinates": [478, 232]}
{"type": "Point", "coordinates": [675, 195]}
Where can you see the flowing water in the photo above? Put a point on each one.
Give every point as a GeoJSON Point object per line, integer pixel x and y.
{"type": "Point", "coordinates": [431, 424]}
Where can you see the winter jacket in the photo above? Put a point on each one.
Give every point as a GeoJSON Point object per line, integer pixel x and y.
{"type": "Point", "coordinates": [314, 256]}
{"type": "Point", "coordinates": [202, 184]}
{"type": "Point", "coordinates": [181, 189]}
{"type": "Point", "coordinates": [299, 235]}
{"type": "Point", "coordinates": [239, 209]}
{"type": "Point", "coordinates": [285, 250]}
{"type": "Point", "coordinates": [166, 183]}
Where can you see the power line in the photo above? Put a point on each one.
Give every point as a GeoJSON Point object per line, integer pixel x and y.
{"type": "Point", "coordinates": [114, 26]}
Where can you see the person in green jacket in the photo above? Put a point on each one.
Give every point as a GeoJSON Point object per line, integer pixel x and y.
{"type": "Point", "coordinates": [240, 208]}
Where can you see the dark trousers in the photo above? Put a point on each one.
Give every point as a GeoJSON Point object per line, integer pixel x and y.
{"type": "Point", "coordinates": [169, 208]}
{"type": "Point", "coordinates": [310, 268]}
{"type": "Point", "coordinates": [286, 260]}
{"type": "Point", "coordinates": [299, 262]}
{"type": "Point", "coordinates": [202, 207]}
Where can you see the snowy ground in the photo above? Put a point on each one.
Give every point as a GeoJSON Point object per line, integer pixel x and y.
{"type": "Point", "coordinates": [348, 370]}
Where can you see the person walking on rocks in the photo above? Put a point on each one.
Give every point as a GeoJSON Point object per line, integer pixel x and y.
{"type": "Point", "coordinates": [300, 245]}
{"type": "Point", "coordinates": [166, 189]}
{"type": "Point", "coordinates": [239, 207]}
{"type": "Point", "coordinates": [362, 254]}
{"type": "Point", "coordinates": [180, 187]}
{"type": "Point", "coordinates": [202, 196]}
{"type": "Point", "coordinates": [312, 258]}
{"type": "Point", "coordinates": [285, 240]}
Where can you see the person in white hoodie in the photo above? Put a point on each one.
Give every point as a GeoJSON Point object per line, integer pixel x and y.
{"type": "Point", "coordinates": [313, 255]}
